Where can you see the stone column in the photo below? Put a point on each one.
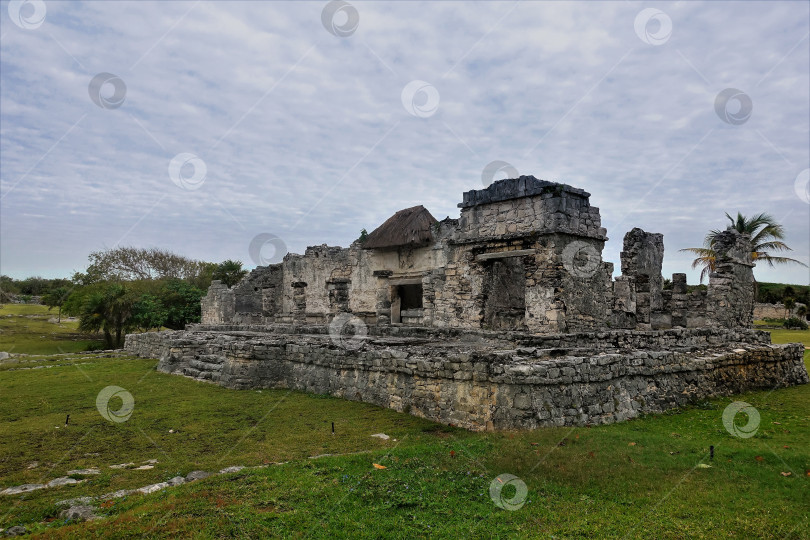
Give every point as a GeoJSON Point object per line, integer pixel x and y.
{"type": "Point", "coordinates": [642, 259]}
{"type": "Point", "coordinates": [624, 303]}
{"type": "Point", "coordinates": [730, 299]}
{"type": "Point", "coordinates": [679, 300]}
{"type": "Point", "coordinates": [299, 298]}
{"type": "Point", "coordinates": [383, 297]}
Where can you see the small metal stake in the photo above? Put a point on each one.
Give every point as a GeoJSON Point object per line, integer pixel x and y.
{"type": "Point", "coordinates": [67, 419]}
{"type": "Point", "coordinates": [711, 452]}
{"type": "Point", "coordinates": [333, 428]}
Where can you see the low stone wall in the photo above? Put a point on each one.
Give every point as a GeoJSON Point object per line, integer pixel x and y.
{"type": "Point", "coordinates": [478, 382]}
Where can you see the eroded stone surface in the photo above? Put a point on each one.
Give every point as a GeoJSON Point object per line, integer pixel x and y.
{"type": "Point", "coordinates": [488, 380]}
{"type": "Point", "coordinates": [24, 488]}
{"type": "Point", "coordinates": [197, 475]}
{"type": "Point", "coordinates": [79, 513]}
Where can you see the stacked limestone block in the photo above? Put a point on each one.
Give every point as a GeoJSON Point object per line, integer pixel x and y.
{"type": "Point", "coordinates": [481, 380]}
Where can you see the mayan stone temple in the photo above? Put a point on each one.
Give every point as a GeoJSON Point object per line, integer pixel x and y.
{"type": "Point", "coordinates": [504, 318]}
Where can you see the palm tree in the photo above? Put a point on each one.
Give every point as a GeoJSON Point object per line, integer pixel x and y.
{"type": "Point", "coordinates": [789, 304]}
{"type": "Point", "coordinates": [766, 237]}
{"type": "Point", "coordinates": [229, 272]}
{"type": "Point", "coordinates": [108, 310]}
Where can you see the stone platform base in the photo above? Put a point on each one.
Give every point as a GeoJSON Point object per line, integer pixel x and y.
{"type": "Point", "coordinates": [485, 380]}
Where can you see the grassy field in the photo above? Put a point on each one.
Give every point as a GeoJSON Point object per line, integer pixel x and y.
{"type": "Point", "coordinates": [32, 329]}
{"type": "Point", "coordinates": [651, 477]}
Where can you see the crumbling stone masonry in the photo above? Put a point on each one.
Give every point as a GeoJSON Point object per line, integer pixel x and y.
{"type": "Point", "coordinates": [504, 317]}
{"type": "Point", "coordinates": [485, 380]}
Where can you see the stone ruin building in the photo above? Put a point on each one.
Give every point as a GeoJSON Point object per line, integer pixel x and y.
{"type": "Point", "coordinates": [505, 317]}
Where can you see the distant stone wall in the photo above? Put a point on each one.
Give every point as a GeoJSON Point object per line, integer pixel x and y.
{"type": "Point", "coordinates": [773, 311]}
{"type": "Point", "coordinates": [482, 381]}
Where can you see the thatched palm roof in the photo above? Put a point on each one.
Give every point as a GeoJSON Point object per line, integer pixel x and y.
{"type": "Point", "coordinates": [408, 227]}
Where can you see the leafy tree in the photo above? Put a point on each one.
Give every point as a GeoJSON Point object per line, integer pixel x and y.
{"type": "Point", "coordinates": [148, 312]}
{"type": "Point", "coordinates": [131, 263]}
{"type": "Point", "coordinates": [803, 312]}
{"type": "Point", "coordinates": [766, 238]}
{"type": "Point", "coordinates": [363, 235]}
{"type": "Point", "coordinates": [56, 298]}
{"type": "Point", "coordinates": [203, 280]}
{"type": "Point", "coordinates": [181, 302]}
{"type": "Point", "coordinates": [229, 272]}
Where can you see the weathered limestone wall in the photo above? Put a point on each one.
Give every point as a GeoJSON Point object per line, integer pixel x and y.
{"type": "Point", "coordinates": [569, 379]}
{"type": "Point", "coordinates": [773, 311]}
{"type": "Point", "coordinates": [525, 255]}
{"type": "Point", "coordinates": [527, 205]}
{"type": "Point", "coordinates": [218, 305]}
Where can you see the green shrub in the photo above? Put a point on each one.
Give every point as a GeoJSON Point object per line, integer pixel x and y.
{"type": "Point", "coordinates": [796, 324]}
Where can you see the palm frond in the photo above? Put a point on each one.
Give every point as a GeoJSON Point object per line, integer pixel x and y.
{"type": "Point", "coordinates": [772, 261]}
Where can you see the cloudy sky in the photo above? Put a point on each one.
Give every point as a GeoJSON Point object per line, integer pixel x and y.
{"type": "Point", "coordinates": [196, 126]}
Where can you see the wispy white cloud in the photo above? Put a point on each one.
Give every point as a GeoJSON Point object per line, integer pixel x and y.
{"type": "Point", "coordinates": [281, 111]}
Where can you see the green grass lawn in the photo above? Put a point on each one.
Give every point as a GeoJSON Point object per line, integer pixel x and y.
{"type": "Point", "coordinates": [27, 328]}
{"type": "Point", "coordinates": [637, 479]}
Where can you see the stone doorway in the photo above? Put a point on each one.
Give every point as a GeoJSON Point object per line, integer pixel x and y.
{"type": "Point", "coordinates": [505, 294]}
{"type": "Point", "coordinates": [406, 303]}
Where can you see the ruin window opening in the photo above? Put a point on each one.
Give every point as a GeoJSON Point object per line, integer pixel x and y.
{"type": "Point", "coordinates": [410, 296]}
